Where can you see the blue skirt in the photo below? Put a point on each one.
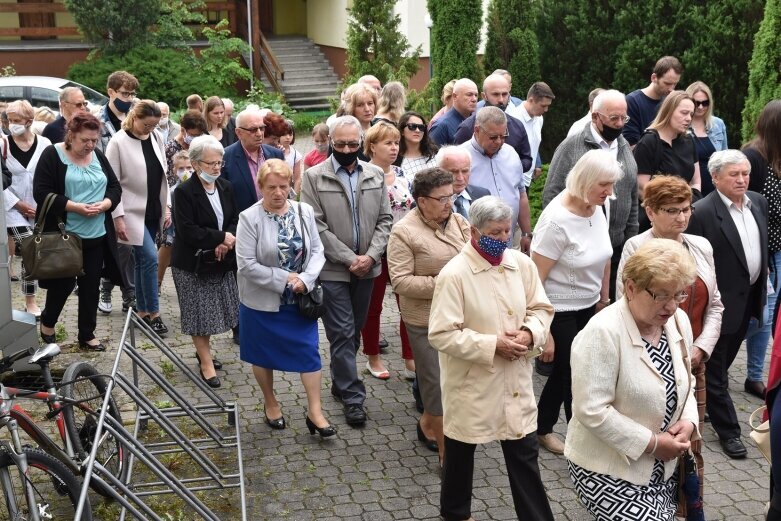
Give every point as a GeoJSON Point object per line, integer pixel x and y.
{"type": "Point", "coordinates": [283, 341]}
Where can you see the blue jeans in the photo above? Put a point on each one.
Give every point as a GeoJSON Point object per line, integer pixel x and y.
{"type": "Point", "coordinates": [146, 274]}
{"type": "Point", "coordinates": [757, 338]}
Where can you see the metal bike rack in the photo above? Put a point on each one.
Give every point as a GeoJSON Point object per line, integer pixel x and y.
{"type": "Point", "coordinates": [131, 495]}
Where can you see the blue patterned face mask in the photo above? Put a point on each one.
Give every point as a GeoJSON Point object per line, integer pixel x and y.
{"type": "Point", "coordinates": [491, 246]}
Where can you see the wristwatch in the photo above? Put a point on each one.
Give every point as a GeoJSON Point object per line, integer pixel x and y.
{"type": "Point", "coordinates": [527, 234]}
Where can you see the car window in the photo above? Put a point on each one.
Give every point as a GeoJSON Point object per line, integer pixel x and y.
{"type": "Point", "coordinates": [9, 94]}
{"type": "Point", "coordinates": [42, 97]}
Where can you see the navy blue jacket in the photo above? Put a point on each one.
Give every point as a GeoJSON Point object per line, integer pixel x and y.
{"type": "Point", "coordinates": [236, 170]}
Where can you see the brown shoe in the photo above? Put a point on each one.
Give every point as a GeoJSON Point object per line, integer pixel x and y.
{"type": "Point", "coordinates": [551, 443]}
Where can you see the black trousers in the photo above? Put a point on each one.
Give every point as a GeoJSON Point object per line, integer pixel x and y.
{"type": "Point", "coordinates": [520, 456]}
{"type": "Point", "coordinates": [719, 403]}
{"type": "Point", "coordinates": [58, 291]}
{"type": "Point", "coordinates": [558, 387]}
{"type": "Point", "coordinates": [614, 260]}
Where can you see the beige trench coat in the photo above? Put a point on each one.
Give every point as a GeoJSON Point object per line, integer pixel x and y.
{"type": "Point", "coordinates": [486, 397]}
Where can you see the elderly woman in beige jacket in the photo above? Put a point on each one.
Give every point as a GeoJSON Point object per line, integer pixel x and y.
{"type": "Point", "coordinates": [633, 405]}
{"type": "Point", "coordinates": [421, 243]}
{"type": "Point", "coordinates": [489, 317]}
{"type": "Point", "coordinates": [137, 155]}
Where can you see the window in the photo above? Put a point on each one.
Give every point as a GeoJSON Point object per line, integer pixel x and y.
{"type": "Point", "coordinates": [9, 94]}
{"type": "Point", "coordinates": [42, 97]}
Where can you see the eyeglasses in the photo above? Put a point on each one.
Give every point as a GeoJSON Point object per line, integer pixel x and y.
{"type": "Point", "coordinates": [664, 299]}
{"type": "Point", "coordinates": [252, 130]}
{"type": "Point", "coordinates": [703, 103]}
{"type": "Point", "coordinates": [213, 164]}
{"type": "Point", "coordinates": [444, 199]}
{"type": "Point", "coordinates": [675, 212]}
{"type": "Point", "coordinates": [82, 105]}
{"type": "Point", "coordinates": [126, 94]}
{"type": "Point", "coordinates": [352, 145]}
{"type": "Point", "coordinates": [415, 126]}
{"type": "Point", "coordinates": [497, 137]}
{"type": "Point", "coordinates": [616, 119]}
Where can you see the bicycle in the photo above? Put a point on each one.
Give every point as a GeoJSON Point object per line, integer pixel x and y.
{"type": "Point", "coordinates": [75, 414]}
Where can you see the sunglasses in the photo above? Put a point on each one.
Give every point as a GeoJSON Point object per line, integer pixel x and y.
{"type": "Point", "coordinates": [416, 126]}
{"type": "Point", "coordinates": [703, 103]}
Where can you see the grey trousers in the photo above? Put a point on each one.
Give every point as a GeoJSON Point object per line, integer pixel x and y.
{"type": "Point", "coordinates": [127, 267]}
{"type": "Point", "coordinates": [347, 304]}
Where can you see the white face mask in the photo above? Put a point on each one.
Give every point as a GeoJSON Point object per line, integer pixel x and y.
{"type": "Point", "coordinates": [16, 129]}
{"type": "Point", "coordinates": [163, 122]}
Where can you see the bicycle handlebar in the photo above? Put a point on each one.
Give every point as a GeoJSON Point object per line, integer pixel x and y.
{"type": "Point", "coordinates": [7, 361]}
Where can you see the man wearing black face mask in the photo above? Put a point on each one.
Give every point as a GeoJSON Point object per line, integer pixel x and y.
{"type": "Point", "coordinates": [608, 117]}
{"type": "Point", "coordinates": [496, 93]}
{"type": "Point", "coordinates": [353, 215]}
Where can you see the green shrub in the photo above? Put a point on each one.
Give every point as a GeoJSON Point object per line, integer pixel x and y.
{"type": "Point", "coordinates": [304, 122]}
{"type": "Point", "coordinates": [273, 101]}
{"type": "Point", "coordinates": [512, 42]}
{"type": "Point", "coordinates": [164, 74]}
{"type": "Point", "coordinates": [764, 80]}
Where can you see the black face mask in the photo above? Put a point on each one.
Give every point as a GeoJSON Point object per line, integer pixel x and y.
{"type": "Point", "coordinates": [122, 106]}
{"type": "Point", "coordinates": [345, 158]}
{"type": "Point", "coordinates": [609, 133]}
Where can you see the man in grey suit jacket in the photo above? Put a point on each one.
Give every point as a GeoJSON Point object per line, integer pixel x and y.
{"type": "Point", "coordinates": [734, 220]}
{"type": "Point", "coordinates": [243, 159]}
{"type": "Point", "coordinates": [354, 219]}
{"type": "Point", "coordinates": [458, 162]}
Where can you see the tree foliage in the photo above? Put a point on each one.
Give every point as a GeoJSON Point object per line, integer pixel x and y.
{"type": "Point", "coordinates": [612, 44]}
{"type": "Point", "coordinates": [115, 26]}
{"type": "Point", "coordinates": [172, 25]}
{"type": "Point", "coordinates": [221, 60]}
{"type": "Point", "coordinates": [512, 42]}
{"type": "Point", "coordinates": [764, 79]}
{"type": "Point", "coordinates": [455, 37]}
{"type": "Point", "coordinates": [376, 46]}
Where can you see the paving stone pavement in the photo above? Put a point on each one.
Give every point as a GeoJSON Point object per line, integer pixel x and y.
{"type": "Point", "coordinates": [381, 472]}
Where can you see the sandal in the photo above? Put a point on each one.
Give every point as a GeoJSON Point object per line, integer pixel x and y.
{"type": "Point", "coordinates": [380, 375]}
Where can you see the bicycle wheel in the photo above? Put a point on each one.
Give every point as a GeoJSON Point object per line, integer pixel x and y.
{"type": "Point", "coordinates": [81, 421]}
{"type": "Point", "coordinates": [56, 489]}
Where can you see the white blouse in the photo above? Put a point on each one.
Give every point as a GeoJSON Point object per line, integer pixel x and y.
{"type": "Point", "coordinates": [21, 188]}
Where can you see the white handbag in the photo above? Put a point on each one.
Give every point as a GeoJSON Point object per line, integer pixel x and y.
{"type": "Point", "coordinates": [760, 433]}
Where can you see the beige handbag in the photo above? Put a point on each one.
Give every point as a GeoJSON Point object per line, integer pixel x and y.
{"type": "Point", "coordinates": [760, 433]}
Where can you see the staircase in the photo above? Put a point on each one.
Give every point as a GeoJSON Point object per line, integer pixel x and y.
{"type": "Point", "coordinates": [309, 79]}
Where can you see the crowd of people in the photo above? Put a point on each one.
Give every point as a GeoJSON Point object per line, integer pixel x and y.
{"type": "Point", "coordinates": [614, 294]}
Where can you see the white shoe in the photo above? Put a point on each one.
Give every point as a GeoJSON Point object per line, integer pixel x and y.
{"type": "Point", "coordinates": [551, 443]}
{"type": "Point", "coordinates": [104, 307]}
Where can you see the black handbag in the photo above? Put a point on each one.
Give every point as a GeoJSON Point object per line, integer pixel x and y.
{"type": "Point", "coordinates": [51, 255]}
{"type": "Point", "coordinates": [310, 304]}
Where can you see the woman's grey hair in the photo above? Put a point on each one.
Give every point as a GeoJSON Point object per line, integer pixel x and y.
{"type": "Point", "coordinates": [488, 209]}
{"type": "Point", "coordinates": [722, 158]}
{"type": "Point", "coordinates": [203, 144]}
{"type": "Point", "coordinates": [490, 116]}
{"type": "Point", "coordinates": [344, 121]}
{"type": "Point", "coordinates": [593, 167]}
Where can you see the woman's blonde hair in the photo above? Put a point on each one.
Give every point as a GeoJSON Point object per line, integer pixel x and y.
{"type": "Point", "coordinates": [447, 91]}
{"type": "Point", "coordinates": [355, 93]}
{"type": "Point", "coordinates": [393, 100]}
{"type": "Point", "coordinates": [21, 108]}
{"type": "Point", "coordinates": [699, 86]}
{"type": "Point", "coordinates": [668, 107]}
{"type": "Point", "coordinates": [274, 166]}
{"type": "Point", "coordinates": [660, 261]}
{"type": "Point", "coordinates": [378, 132]}
{"type": "Point", "coordinates": [142, 109]}
{"type": "Point", "coordinates": [595, 166]}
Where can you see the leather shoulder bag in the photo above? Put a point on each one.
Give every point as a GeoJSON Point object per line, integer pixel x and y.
{"type": "Point", "coordinates": [51, 255]}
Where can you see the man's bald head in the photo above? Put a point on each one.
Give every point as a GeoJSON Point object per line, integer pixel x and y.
{"type": "Point", "coordinates": [465, 97]}
{"type": "Point", "coordinates": [371, 81]}
{"type": "Point", "coordinates": [496, 91]}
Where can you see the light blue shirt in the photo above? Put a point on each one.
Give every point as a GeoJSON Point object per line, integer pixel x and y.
{"type": "Point", "coordinates": [350, 182]}
{"type": "Point", "coordinates": [502, 174]}
{"type": "Point", "coordinates": [85, 185]}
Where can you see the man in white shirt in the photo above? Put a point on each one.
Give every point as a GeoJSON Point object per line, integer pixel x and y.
{"type": "Point", "coordinates": [582, 122]}
{"type": "Point", "coordinates": [538, 100]}
{"type": "Point", "coordinates": [734, 220]}
{"type": "Point", "coordinates": [497, 167]}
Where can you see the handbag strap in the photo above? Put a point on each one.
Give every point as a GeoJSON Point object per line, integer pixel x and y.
{"type": "Point", "coordinates": [686, 362]}
{"type": "Point", "coordinates": [303, 234]}
{"type": "Point", "coordinates": [40, 221]}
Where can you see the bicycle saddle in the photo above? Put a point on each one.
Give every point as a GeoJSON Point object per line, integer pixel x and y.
{"type": "Point", "coordinates": [47, 352]}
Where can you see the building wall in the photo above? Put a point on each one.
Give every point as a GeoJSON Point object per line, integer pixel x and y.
{"type": "Point", "coordinates": [290, 17]}
{"type": "Point", "coordinates": [44, 62]}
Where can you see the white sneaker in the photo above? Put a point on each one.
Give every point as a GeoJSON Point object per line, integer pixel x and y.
{"type": "Point", "coordinates": [104, 306]}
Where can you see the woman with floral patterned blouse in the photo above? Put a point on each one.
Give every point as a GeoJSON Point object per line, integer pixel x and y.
{"type": "Point", "coordinates": [381, 145]}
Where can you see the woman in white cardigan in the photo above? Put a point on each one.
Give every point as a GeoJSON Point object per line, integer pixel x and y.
{"type": "Point", "coordinates": [633, 405]}
{"type": "Point", "coordinates": [21, 152]}
{"type": "Point", "coordinates": [137, 155]}
{"type": "Point", "coordinates": [279, 255]}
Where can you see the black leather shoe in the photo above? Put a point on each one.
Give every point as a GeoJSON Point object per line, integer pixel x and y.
{"type": "Point", "coordinates": [324, 432]}
{"type": "Point", "coordinates": [90, 347]}
{"type": "Point", "coordinates": [757, 389]}
{"type": "Point", "coordinates": [354, 415]}
{"type": "Point", "coordinates": [429, 444]}
{"type": "Point", "coordinates": [213, 382]}
{"type": "Point", "coordinates": [336, 394]}
{"type": "Point", "coordinates": [216, 363]}
{"type": "Point", "coordinates": [158, 326]}
{"type": "Point", "coordinates": [733, 448]}
{"type": "Point", "coordinates": [277, 424]}
{"type": "Point", "coordinates": [383, 343]}
{"type": "Point", "coordinates": [48, 339]}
